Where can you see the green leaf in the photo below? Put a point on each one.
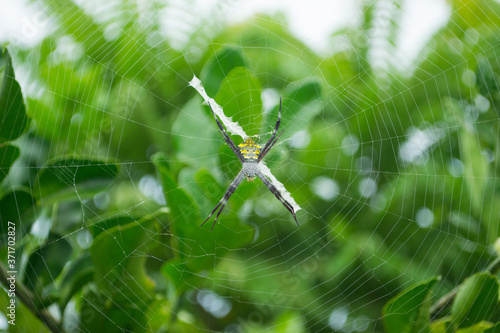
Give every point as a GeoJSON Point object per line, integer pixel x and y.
{"type": "Point", "coordinates": [409, 310]}
{"type": "Point", "coordinates": [83, 29]}
{"type": "Point", "coordinates": [218, 67]}
{"type": "Point", "coordinates": [124, 289]}
{"type": "Point", "coordinates": [301, 102]}
{"type": "Point", "coordinates": [199, 248]}
{"type": "Point", "coordinates": [240, 97]}
{"type": "Point", "coordinates": [476, 300]}
{"type": "Point", "coordinates": [17, 206]}
{"type": "Point", "coordinates": [13, 119]}
{"type": "Point", "coordinates": [99, 313]}
{"type": "Point", "coordinates": [471, 14]}
{"type": "Point", "coordinates": [117, 265]}
{"type": "Point", "coordinates": [73, 177]}
{"type": "Point", "coordinates": [195, 136]}
{"type": "Point", "coordinates": [79, 274]}
{"type": "Point", "coordinates": [46, 263]}
{"type": "Point", "coordinates": [478, 328]}
{"type": "Point", "coordinates": [476, 168]}
{"type": "Point", "coordinates": [184, 217]}
{"type": "Point", "coordinates": [99, 225]}
{"type": "Point", "coordinates": [183, 209]}
{"type": "Point", "coordinates": [488, 82]}
{"type": "Point", "coordinates": [8, 154]}
{"type": "Point", "coordinates": [290, 322]}
{"type": "Point", "coordinates": [207, 184]}
{"type": "Point", "coordinates": [482, 191]}
{"type": "Point", "coordinates": [493, 329]}
{"type": "Point", "coordinates": [440, 325]}
{"type": "Point", "coordinates": [177, 272]}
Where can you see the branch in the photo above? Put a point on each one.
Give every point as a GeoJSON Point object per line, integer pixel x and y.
{"type": "Point", "coordinates": [27, 298]}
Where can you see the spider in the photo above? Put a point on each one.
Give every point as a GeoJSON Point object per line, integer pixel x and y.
{"type": "Point", "coordinates": [249, 154]}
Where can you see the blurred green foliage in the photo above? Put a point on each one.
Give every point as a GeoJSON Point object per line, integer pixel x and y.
{"type": "Point", "coordinates": [109, 162]}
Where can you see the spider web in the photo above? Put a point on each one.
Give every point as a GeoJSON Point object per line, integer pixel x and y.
{"type": "Point", "coordinates": [391, 191]}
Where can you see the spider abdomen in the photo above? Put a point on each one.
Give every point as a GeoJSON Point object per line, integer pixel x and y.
{"type": "Point", "coordinates": [249, 149]}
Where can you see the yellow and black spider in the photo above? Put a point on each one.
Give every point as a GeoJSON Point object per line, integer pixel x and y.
{"type": "Point", "coordinates": [250, 154]}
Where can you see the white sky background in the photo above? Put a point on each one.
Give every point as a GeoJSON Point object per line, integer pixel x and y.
{"type": "Point", "coordinates": [419, 22]}
{"type": "Point", "coordinates": [25, 24]}
{"type": "Point", "coordinates": [314, 21]}
{"type": "Point", "coordinates": [311, 21]}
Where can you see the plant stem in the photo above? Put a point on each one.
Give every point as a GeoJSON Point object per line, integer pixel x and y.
{"type": "Point", "coordinates": [27, 298]}
{"type": "Point", "coordinates": [448, 299]}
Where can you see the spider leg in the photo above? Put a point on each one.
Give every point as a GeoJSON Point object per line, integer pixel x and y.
{"type": "Point", "coordinates": [269, 147]}
{"type": "Point", "coordinates": [226, 137]}
{"type": "Point", "coordinates": [272, 140]}
{"type": "Point", "coordinates": [222, 203]}
{"type": "Point", "coordinates": [278, 195]}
